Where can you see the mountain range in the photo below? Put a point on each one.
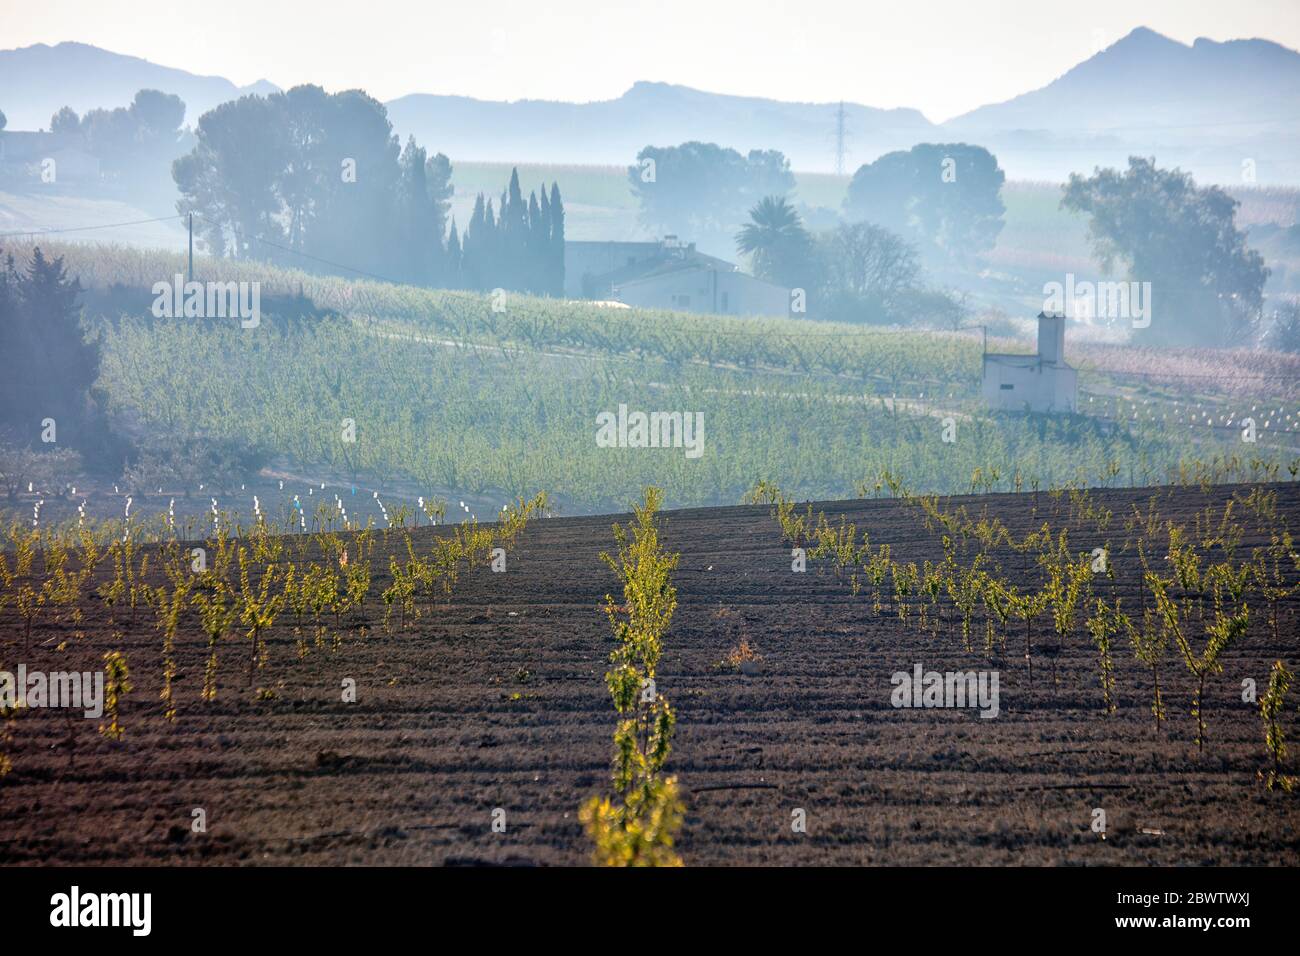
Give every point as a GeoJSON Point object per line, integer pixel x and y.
{"type": "Point", "coordinates": [1215, 108]}
{"type": "Point", "coordinates": [37, 81]}
{"type": "Point", "coordinates": [661, 114]}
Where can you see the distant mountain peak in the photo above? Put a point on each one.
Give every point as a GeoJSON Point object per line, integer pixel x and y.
{"type": "Point", "coordinates": [40, 79]}
{"type": "Point", "coordinates": [1144, 36]}
{"type": "Point", "coordinates": [1147, 79]}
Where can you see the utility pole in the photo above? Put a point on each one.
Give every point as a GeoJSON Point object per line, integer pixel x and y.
{"type": "Point", "coordinates": [840, 136]}
{"type": "Point", "coordinates": [191, 270]}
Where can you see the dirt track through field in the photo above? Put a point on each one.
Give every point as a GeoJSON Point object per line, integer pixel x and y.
{"type": "Point", "coordinates": [496, 699]}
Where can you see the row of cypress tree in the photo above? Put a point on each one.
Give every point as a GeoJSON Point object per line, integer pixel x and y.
{"type": "Point", "coordinates": [518, 246]}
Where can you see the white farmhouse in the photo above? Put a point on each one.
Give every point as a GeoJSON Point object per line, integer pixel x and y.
{"type": "Point", "coordinates": [702, 287]}
{"type": "Point", "coordinates": [1033, 383]}
{"type": "Point", "coordinates": [667, 274]}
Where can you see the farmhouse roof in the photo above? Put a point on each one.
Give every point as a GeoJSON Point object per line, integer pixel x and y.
{"type": "Point", "coordinates": [672, 268]}
{"type": "Point", "coordinates": [662, 265]}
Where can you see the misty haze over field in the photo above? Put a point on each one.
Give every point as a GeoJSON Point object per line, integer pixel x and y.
{"type": "Point", "coordinates": [1205, 106]}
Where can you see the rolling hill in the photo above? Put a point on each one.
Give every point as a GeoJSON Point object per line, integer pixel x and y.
{"type": "Point", "coordinates": [1214, 108]}
{"type": "Point", "coordinates": [39, 80]}
{"type": "Point", "coordinates": [611, 131]}
{"type": "Point", "coordinates": [1224, 111]}
{"type": "Point", "coordinates": [1151, 84]}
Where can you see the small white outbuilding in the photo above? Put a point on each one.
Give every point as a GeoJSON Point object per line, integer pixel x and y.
{"type": "Point", "coordinates": [1041, 382]}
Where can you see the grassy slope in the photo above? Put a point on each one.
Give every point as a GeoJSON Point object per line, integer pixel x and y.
{"type": "Point", "coordinates": [450, 394]}
{"type": "Point", "coordinates": [62, 210]}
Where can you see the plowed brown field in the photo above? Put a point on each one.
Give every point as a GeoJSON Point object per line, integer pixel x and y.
{"type": "Point", "coordinates": [495, 699]}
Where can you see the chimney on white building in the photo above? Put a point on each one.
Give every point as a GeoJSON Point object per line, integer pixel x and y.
{"type": "Point", "coordinates": [1051, 338]}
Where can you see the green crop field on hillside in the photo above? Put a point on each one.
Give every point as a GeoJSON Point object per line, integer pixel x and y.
{"type": "Point", "coordinates": [445, 392]}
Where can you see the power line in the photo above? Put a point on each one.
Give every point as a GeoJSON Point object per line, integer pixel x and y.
{"type": "Point", "coordinates": [682, 327]}
{"type": "Point", "coordinates": [686, 327]}
{"type": "Point", "coordinates": [106, 225]}
{"type": "Point", "coordinates": [319, 259]}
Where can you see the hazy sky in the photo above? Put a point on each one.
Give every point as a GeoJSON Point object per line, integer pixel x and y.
{"type": "Point", "coordinates": [941, 56]}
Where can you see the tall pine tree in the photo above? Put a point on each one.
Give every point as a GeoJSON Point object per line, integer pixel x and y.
{"type": "Point", "coordinates": [557, 241]}
{"type": "Point", "coordinates": [535, 249]}
{"type": "Point", "coordinates": [452, 260]}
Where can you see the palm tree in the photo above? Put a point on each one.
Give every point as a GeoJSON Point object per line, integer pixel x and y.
{"type": "Point", "coordinates": [776, 239]}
